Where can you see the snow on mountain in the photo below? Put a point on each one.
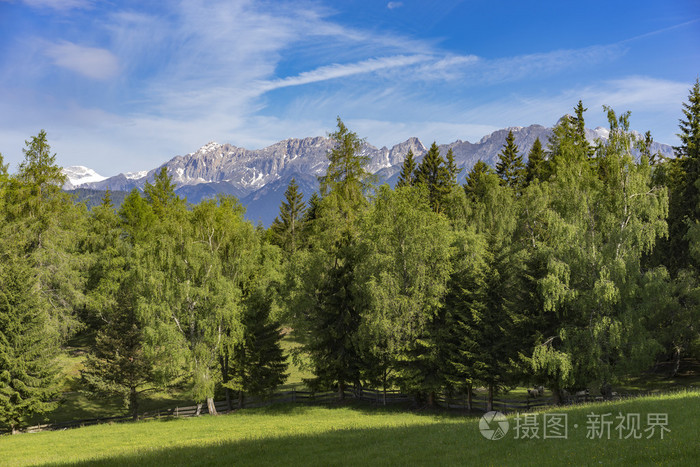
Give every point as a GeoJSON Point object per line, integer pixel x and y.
{"type": "Point", "coordinates": [259, 177]}
{"type": "Point", "coordinates": [78, 175]}
{"type": "Point", "coordinates": [135, 175]}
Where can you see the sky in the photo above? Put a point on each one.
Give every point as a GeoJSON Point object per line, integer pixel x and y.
{"type": "Point", "coordinates": [124, 86]}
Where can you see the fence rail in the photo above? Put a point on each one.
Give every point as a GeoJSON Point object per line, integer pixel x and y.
{"type": "Point", "coordinates": [372, 396]}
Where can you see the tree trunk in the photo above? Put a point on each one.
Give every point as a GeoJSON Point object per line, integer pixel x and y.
{"type": "Point", "coordinates": [14, 429]}
{"type": "Point", "coordinates": [556, 395]}
{"type": "Point", "coordinates": [431, 399]}
{"type": "Point", "coordinates": [199, 409]}
{"type": "Point", "coordinates": [134, 403]}
{"type": "Point", "coordinates": [341, 390]}
{"type": "Point", "coordinates": [676, 362]}
{"type": "Point", "coordinates": [223, 360]}
{"type": "Point", "coordinates": [384, 387]}
{"type": "Point", "coordinates": [241, 399]}
{"type": "Point", "coordinates": [489, 405]}
{"type": "Point", "coordinates": [210, 406]}
{"type": "Point", "coordinates": [469, 397]}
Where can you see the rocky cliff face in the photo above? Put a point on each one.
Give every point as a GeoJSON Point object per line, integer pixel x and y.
{"type": "Point", "coordinates": [260, 177]}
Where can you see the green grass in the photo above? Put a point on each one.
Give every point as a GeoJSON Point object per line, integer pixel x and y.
{"type": "Point", "coordinates": [356, 435]}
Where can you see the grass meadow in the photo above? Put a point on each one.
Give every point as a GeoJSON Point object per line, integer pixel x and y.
{"type": "Point", "coordinates": [354, 434]}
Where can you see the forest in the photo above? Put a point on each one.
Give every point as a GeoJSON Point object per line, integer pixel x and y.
{"type": "Point", "coordinates": [570, 267]}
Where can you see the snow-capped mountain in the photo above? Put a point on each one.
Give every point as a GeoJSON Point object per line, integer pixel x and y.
{"type": "Point", "coordinates": [78, 175]}
{"type": "Point", "coordinates": [259, 177]}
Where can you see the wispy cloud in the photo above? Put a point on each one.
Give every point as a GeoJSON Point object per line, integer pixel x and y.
{"type": "Point", "coordinates": [90, 62]}
{"type": "Point", "coordinates": [335, 71]}
{"type": "Point", "coordinates": [60, 5]}
{"type": "Point", "coordinates": [394, 5]}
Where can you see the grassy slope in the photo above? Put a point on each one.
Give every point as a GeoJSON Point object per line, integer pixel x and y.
{"type": "Point", "coordinates": [352, 435]}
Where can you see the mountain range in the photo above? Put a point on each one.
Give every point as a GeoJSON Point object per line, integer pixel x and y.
{"type": "Point", "coordinates": [259, 177]}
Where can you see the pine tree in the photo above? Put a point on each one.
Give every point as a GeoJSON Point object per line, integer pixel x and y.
{"type": "Point", "coordinates": [161, 193]}
{"type": "Point", "coordinates": [510, 164]}
{"type": "Point", "coordinates": [48, 228]}
{"type": "Point", "coordinates": [536, 163]}
{"type": "Point", "coordinates": [346, 179]}
{"type": "Point", "coordinates": [452, 169]}
{"type": "Point", "coordinates": [118, 363]}
{"type": "Point", "coordinates": [28, 346]}
{"type": "Point", "coordinates": [474, 182]}
{"type": "Point", "coordinates": [258, 362]}
{"type": "Point", "coordinates": [288, 226]}
{"type": "Point", "coordinates": [433, 173]}
{"type": "Point", "coordinates": [407, 176]}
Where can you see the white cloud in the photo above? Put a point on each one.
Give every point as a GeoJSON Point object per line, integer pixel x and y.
{"type": "Point", "coordinates": [394, 5]}
{"type": "Point", "coordinates": [91, 62]}
{"type": "Point", "coordinates": [340, 71]}
{"type": "Point", "coordinates": [61, 5]}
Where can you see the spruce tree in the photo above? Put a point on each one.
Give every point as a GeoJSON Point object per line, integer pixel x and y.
{"type": "Point", "coordinates": [28, 345]}
{"type": "Point", "coordinates": [258, 363]}
{"type": "Point", "coordinates": [346, 178]}
{"type": "Point", "coordinates": [407, 176]}
{"type": "Point", "coordinates": [287, 227]}
{"type": "Point", "coordinates": [452, 169]}
{"type": "Point", "coordinates": [118, 363]}
{"type": "Point", "coordinates": [510, 164]}
{"type": "Point", "coordinates": [535, 163]}
{"type": "Point", "coordinates": [433, 173]}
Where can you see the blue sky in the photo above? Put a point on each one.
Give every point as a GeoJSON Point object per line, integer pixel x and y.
{"type": "Point", "coordinates": [126, 85]}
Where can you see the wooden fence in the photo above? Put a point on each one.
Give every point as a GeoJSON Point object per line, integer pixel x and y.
{"type": "Point", "coordinates": [372, 396]}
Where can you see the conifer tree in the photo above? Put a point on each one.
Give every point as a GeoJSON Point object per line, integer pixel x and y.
{"type": "Point", "coordinates": [407, 175]}
{"type": "Point", "coordinates": [346, 179]}
{"type": "Point", "coordinates": [48, 230]}
{"type": "Point", "coordinates": [452, 169]}
{"type": "Point", "coordinates": [28, 345]}
{"type": "Point", "coordinates": [258, 364]}
{"type": "Point", "coordinates": [288, 226]}
{"type": "Point", "coordinates": [535, 163]}
{"type": "Point", "coordinates": [325, 305]}
{"type": "Point", "coordinates": [433, 173]}
{"type": "Point", "coordinates": [510, 164]}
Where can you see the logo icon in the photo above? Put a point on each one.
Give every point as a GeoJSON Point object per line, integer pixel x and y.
{"type": "Point", "coordinates": [493, 425]}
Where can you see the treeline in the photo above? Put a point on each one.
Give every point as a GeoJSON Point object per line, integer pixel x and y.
{"type": "Point", "coordinates": [572, 270]}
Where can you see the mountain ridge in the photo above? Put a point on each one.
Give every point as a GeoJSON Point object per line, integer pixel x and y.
{"type": "Point", "coordinates": [259, 177]}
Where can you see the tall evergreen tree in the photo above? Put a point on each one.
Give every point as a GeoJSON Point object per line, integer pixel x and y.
{"type": "Point", "coordinates": [288, 226]}
{"type": "Point", "coordinates": [325, 306]}
{"type": "Point", "coordinates": [452, 169]}
{"type": "Point", "coordinates": [258, 364]}
{"type": "Point", "coordinates": [407, 175]}
{"type": "Point", "coordinates": [432, 172]}
{"type": "Point", "coordinates": [28, 345]}
{"type": "Point", "coordinates": [48, 230]}
{"type": "Point", "coordinates": [346, 179]}
{"type": "Point", "coordinates": [535, 163]}
{"type": "Point", "coordinates": [510, 166]}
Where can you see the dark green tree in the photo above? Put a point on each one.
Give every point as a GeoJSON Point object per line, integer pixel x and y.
{"type": "Point", "coordinates": [288, 226]}
{"type": "Point", "coordinates": [407, 175]}
{"type": "Point", "coordinates": [432, 172]}
{"type": "Point", "coordinates": [452, 169]}
{"type": "Point", "coordinates": [535, 163]}
{"type": "Point", "coordinates": [510, 166]}
{"type": "Point", "coordinates": [258, 363]}
{"type": "Point", "coordinates": [28, 345]}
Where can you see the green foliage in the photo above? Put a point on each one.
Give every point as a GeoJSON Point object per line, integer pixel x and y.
{"type": "Point", "coordinates": [407, 176]}
{"type": "Point", "coordinates": [403, 276]}
{"type": "Point", "coordinates": [433, 174]}
{"type": "Point", "coordinates": [28, 345]}
{"type": "Point", "coordinates": [287, 228]}
{"type": "Point", "coordinates": [346, 179]}
{"type": "Point", "coordinates": [510, 166]}
{"type": "Point", "coordinates": [536, 163]}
